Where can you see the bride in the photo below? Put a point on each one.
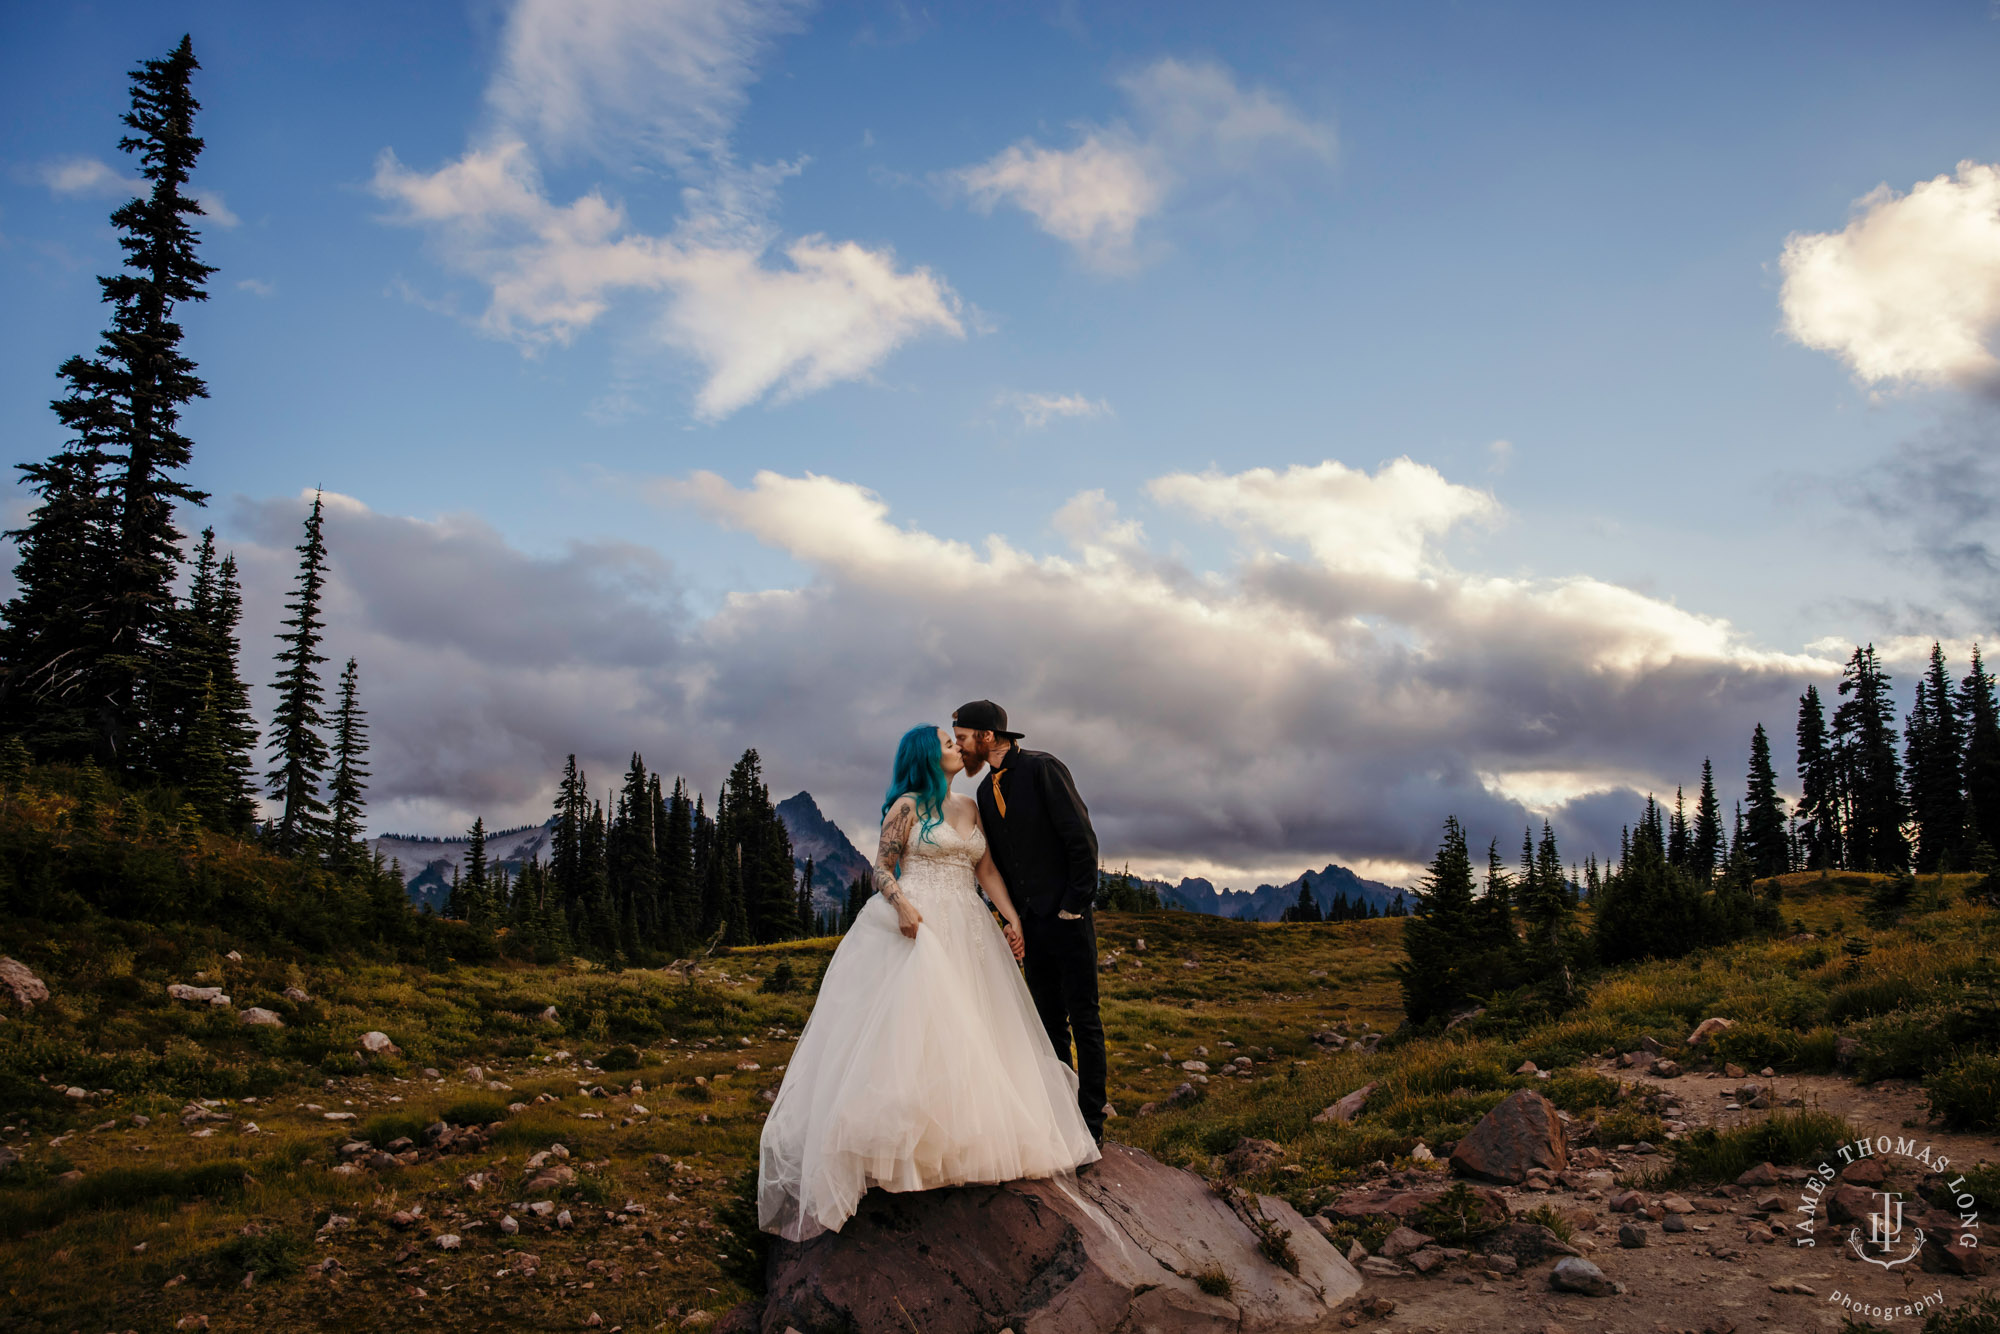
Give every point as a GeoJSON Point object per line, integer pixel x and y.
{"type": "Point", "coordinates": [923, 1064]}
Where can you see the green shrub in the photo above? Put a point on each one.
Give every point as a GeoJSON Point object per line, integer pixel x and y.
{"type": "Point", "coordinates": [1580, 1090]}
{"type": "Point", "coordinates": [1868, 998]}
{"type": "Point", "coordinates": [781, 979]}
{"type": "Point", "coordinates": [270, 1254]}
{"type": "Point", "coordinates": [124, 1188]}
{"type": "Point", "coordinates": [1708, 1155]}
{"type": "Point", "coordinates": [1755, 1044]}
{"type": "Point", "coordinates": [1548, 1216]}
{"type": "Point", "coordinates": [619, 1059]}
{"type": "Point", "coordinates": [1214, 1282]}
{"type": "Point", "coordinates": [1966, 1094]}
{"type": "Point", "coordinates": [1628, 1125]}
{"type": "Point", "coordinates": [1458, 1217]}
{"type": "Point", "coordinates": [385, 1128]}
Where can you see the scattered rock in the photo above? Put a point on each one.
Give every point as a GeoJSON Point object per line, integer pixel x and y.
{"type": "Point", "coordinates": [297, 996]}
{"type": "Point", "coordinates": [233, 957]}
{"type": "Point", "coordinates": [1673, 1223]}
{"type": "Point", "coordinates": [1401, 1242]}
{"type": "Point", "coordinates": [21, 982]}
{"type": "Point", "coordinates": [1030, 1254]}
{"type": "Point", "coordinates": [1763, 1174]}
{"type": "Point", "coordinates": [563, 1220]}
{"type": "Point", "coordinates": [1251, 1157]}
{"type": "Point", "coordinates": [378, 1044]}
{"type": "Point", "coordinates": [1527, 1068]}
{"type": "Point", "coordinates": [1349, 1107]}
{"type": "Point", "coordinates": [262, 1017]}
{"type": "Point", "coordinates": [1667, 1069]}
{"type": "Point", "coordinates": [446, 1241]}
{"type": "Point", "coordinates": [181, 991]}
{"type": "Point", "coordinates": [1631, 1236]}
{"type": "Point", "coordinates": [1707, 1029]}
{"type": "Point", "coordinates": [1732, 1071]}
{"type": "Point", "coordinates": [1676, 1204]}
{"type": "Point", "coordinates": [1573, 1273]}
{"type": "Point", "coordinates": [1369, 1205]}
{"type": "Point", "coordinates": [549, 1015]}
{"type": "Point", "coordinates": [1521, 1133]}
{"type": "Point", "coordinates": [1864, 1172]}
{"type": "Point", "coordinates": [510, 1225]}
{"type": "Point", "coordinates": [1795, 1287]}
{"type": "Point", "coordinates": [1428, 1260]}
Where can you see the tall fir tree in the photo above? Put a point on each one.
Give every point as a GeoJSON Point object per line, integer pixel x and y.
{"type": "Point", "coordinates": [1871, 777]}
{"type": "Point", "coordinates": [677, 877]}
{"type": "Point", "coordinates": [1648, 907]}
{"type": "Point", "coordinates": [807, 918]}
{"type": "Point", "coordinates": [475, 887]}
{"type": "Point", "coordinates": [1679, 842]}
{"type": "Point", "coordinates": [1433, 971]}
{"type": "Point", "coordinates": [1979, 714]}
{"type": "Point", "coordinates": [232, 695]}
{"type": "Point", "coordinates": [1764, 842]}
{"type": "Point", "coordinates": [1705, 839]}
{"type": "Point", "coordinates": [1553, 944]}
{"type": "Point", "coordinates": [206, 782]}
{"type": "Point", "coordinates": [176, 694]}
{"type": "Point", "coordinates": [1933, 762]}
{"type": "Point", "coordinates": [345, 794]}
{"type": "Point", "coordinates": [122, 407]}
{"type": "Point", "coordinates": [1821, 814]}
{"type": "Point", "coordinates": [297, 726]}
{"type": "Point", "coordinates": [633, 855]}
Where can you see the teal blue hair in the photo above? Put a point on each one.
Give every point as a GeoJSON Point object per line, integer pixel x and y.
{"type": "Point", "coordinates": [919, 773]}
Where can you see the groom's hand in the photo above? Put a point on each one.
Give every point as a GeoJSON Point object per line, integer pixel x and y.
{"type": "Point", "coordinates": [1014, 941]}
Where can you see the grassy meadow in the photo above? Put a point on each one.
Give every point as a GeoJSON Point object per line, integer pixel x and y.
{"type": "Point", "coordinates": [654, 1082]}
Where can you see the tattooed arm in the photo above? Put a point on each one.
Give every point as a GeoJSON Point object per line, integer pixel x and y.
{"type": "Point", "coordinates": [896, 829]}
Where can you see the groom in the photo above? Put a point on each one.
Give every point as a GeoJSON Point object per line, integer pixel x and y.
{"type": "Point", "coordinates": [1041, 840]}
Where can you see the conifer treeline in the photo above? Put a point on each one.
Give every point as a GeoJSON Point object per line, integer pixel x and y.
{"type": "Point", "coordinates": [100, 663]}
{"type": "Point", "coordinates": [646, 871]}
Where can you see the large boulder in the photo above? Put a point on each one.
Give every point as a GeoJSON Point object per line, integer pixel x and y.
{"type": "Point", "coordinates": [19, 980]}
{"type": "Point", "coordinates": [1521, 1133]}
{"type": "Point", "coordinates": [1121, 1247]}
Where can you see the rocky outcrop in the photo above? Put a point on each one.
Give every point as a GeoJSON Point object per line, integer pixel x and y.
{"type": "Point", "coordinates": [22, 984]}
{"type": "Point", "coordinates": [1521, 1133]}
{"type": "Point", "coordinates": [1129, 1245]}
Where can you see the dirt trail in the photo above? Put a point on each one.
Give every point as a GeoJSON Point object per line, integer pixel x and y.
{"type": "Point", "coordinates": [1719, 1274]}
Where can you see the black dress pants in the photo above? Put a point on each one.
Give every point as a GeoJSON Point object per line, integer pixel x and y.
{"type": "Point", "coordinates": [1061, 969]}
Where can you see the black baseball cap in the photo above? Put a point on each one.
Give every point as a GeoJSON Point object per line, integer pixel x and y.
{"type": "Point", "coordinates": [983, 715]}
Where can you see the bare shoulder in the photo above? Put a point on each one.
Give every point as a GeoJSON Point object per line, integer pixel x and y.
{"type": "Point", "coordinates": [959, 801]}
{"type": "Point", "coordinates": [900, 810]}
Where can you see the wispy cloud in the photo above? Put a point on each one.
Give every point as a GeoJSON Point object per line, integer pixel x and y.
{"type": "Point", "coordinates": [1191, 124]}
{"type": "Point", "coordinates": [256, 287]}
{"type": "Point", "coordinates": [84, 177]}
{"type": "Point", "coordinates": [1038, 410]}
{"type": "Point", "coordinates": [1909, 291]}
{"type": "Point", "coordinates": [660, 84]}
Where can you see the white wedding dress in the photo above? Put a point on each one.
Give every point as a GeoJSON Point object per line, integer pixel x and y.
{"type": "Point", "coordinates": [923, 1064]}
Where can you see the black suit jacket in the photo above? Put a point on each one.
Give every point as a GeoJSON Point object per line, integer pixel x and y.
{"type": "Point", "coordinates": [1044, 845]}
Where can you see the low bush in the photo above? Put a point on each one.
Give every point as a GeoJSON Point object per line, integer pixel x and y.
{"type": "Point", "coordinates": [1966, 1094]}
{"type": "Point", "coordinates": [124, 1188]}
{"type": "Point", "coordinates": [474, 1112]}
{"type": "Point", "coordinates": [273, 1253]}
{"type": "Point", "coordinates": [1707, 1155]}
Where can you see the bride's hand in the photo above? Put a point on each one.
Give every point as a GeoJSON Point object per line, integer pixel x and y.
{"type": "Point", "coordinates": [909, 918]}
{"type": "Point", "coordinates": [1015, 942]}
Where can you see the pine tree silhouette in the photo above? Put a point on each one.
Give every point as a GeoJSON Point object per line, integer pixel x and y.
{"type": "Point", "coordinates": [297, 724]}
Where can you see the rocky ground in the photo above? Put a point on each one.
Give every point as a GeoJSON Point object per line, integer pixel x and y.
{"type": "Point", "coordinates": [1715, 1260]}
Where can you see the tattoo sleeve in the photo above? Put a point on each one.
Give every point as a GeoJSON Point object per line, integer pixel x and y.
{"type": "Point", "coordinates": [888, 857]}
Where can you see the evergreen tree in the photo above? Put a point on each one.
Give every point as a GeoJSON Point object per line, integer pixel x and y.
{"type": "Point", "coordinates": [87, 643]}
{"type": "Point", "coordinates": [758, 856]}
{"type": "Point", "coordinates": [1679, 842]}
{"type": "Point", "coordinates": [207, 783]}
{"type": "Point", "coordinates": [1933, 759]}
{"type": "Point", "coordinates": [1554, 946]}
{"type": "Point", "coordinates": [297, 724]}
{"type": "Point", "coordinates": [1493, 923]}
{"type": "Point", "coordinates": [232, 696]}
{"type": "Point", "coordinates": [1648, 908]}
{"type": "Point", "coordinates": [1979, 716]}
{"type": "Point", "coordinates": [566, 866]}
{"type": "Point", "coordinates": [177, 693]}
{"type": "Point", "coordinates": [1705, 841]}
{"type": "Point", "coordinates": [1820, 816]}
{"type": "Point", "coordinates": [634, 861]}
{"type": "Point", "coordinates": [345, 850]}
{"type": "Point", "coordinates": [52, 643]}
{"type": "Point", "coordinates": [806, 919]}
{"type": "Point", "coordinates": [677, 880]}
{"type": "Point", "coordinates": [858, 891]}
{"type": "Point", "coordinates": [475, 890]}
{"type": "Point", "coordinates": [1433, 971]}
{"type": "Point", "coordinates": [1769, 850]}
{"type": "Point", "coordinates": [1305, 910]}
{"type": "Point", "coordinates": [1871, 779]}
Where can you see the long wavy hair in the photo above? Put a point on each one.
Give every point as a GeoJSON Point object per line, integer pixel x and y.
{"type": "Point", "coordinates": [919, 773]}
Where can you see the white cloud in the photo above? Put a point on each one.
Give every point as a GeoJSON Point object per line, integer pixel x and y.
{"type": "Point", "coordinates": [86, 177]}
{"type": "Point", "coordinates": [1283, 709]}
{"type": "Point", "coordinates": [1909, 291]}
{"type": "Point", "coordinates": [214, 209]}
{"type": "Point", "coordinates": [661, 82]}
{"type": "Point", "coordinates": [1193, 124]}
{"type": "Point", "coordinates": [256, 287]}
{"type": "Point", "coordinates": [1038, 410]}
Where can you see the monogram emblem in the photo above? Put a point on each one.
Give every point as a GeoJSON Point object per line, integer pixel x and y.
{"type": "Point", "coordinates": [1885, 1234]}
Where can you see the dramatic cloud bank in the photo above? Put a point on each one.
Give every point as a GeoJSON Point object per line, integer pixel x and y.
{"type": "Point", "coordinates": [659, 84]}
{"type": "Point", "coordinates": [1335, 692]}
{"type": "Point", "coordinates": [1191, 125]}
{"type": "Point", "coordinates": [1909, 291]}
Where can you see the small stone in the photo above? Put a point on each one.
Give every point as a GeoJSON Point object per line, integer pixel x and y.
{"type": "Point", "coordinates": [1195, 1067]}
{"type": "Point", "coordinates": [446, 1241]}
{"type": "Point", "coordinates": [1794, 1287]}
{"type": "Point", "coordinates": [192, 1322]}
{"type": "Point", "coordinates": [297, 995]}
{"type": "Point", "coordinates": [1675, 1204]}
{"type": "Point", "coordinates": [1575, 1274]}
{"type": "Point", "coordinates": [1763, 1174]}
{"type": "Point", "coordinates": [541, 1208]}
{"type": "Point", "coordinates": [402, 1218]}
{"type": "Point", "coordinates": [20, 981]}
{"type": "Point", "coordinates": [262, 1017]}
{"type": "Point", "coordinates": [378, 1043]}
{"type": "Point", "coordinates": [563, 1220]}
{"type": "Point", "coordinates": [1732, 1071]}
{"type": "Point", "coordinates": [1427, 1260]}
{"type": "Point", "coordinates": [1527, 1068]}
{"type": "Point", "coordinates": [1349, 1107]}
{"type": "Point", "coordinates": [510, 1225]}
{"type": "Point", "coordinates": [1401, 1242]}
{"type": "Point", "coordinates": [593, 1320]}
{"type": "Point", "coordinates": [337, 1116]}
{"type": "Point", "coordinates": [1626, 1202]}
{"type": "Point", "coordinates": [549, 1015]}
{"type": "Point", "coordinates": [1667, 1069]}
{"type": "Point", "coordinates": [1631, 1236]}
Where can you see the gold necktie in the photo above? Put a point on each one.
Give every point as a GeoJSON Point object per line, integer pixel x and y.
{"type": "Point", "coordinates": [999, 800]}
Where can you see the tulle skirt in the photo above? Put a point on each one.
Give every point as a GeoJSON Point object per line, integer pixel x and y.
{"type": "Point", "coordinates": [923, 1065]}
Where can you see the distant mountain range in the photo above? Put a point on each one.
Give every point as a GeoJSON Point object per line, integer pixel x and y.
{"type": "Point", "coordinates": [428, 864]}
{"type": "Point", "coordinates": [1267, 903]}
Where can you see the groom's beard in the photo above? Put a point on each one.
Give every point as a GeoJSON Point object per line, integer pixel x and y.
{"type": "Point", "coordinates": [973, 764]}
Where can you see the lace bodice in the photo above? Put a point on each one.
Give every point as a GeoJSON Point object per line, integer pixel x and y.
{"type": "Point", "coordinates": [944, 861]}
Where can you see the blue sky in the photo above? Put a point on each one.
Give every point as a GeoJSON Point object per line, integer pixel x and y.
{"type": "Point", "coordinates": [511, 275]}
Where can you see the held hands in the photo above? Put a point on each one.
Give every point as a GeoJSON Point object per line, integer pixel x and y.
{"type": "Point", "coordinates": [1012, 930]}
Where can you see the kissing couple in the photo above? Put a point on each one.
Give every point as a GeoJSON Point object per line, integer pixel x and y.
{"type": "Point", "coordinates": [938, 1051]}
